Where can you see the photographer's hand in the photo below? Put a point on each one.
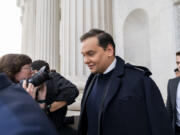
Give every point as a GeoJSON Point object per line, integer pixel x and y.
{"type": "Point", "coordinates": [30, 89]}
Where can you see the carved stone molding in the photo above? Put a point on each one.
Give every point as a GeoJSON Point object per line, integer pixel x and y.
{"type": "Point", "coordinates": [21, 5]}
{"type": "Point", "coordinates": [176, 2]}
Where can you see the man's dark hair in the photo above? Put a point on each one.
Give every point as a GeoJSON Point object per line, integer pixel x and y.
{"type": "Point", "coordinates": [11, 64]}
{"type": "Point", "coordinates": [103, 38]}
{"type": "Point", "coordinates": [38, 64]}
{"type": "Point", "coordinates": [178, 53]}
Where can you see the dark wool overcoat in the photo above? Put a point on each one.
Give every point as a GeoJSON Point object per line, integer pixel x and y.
{"type": "Point", "coordinates": [132, 105]}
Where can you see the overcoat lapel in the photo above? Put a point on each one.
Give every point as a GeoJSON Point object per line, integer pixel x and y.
{"type": "Point", "coordinates": [87, 90]}
{"type": "Point", "coordinates": [115, 82]}
{"type": "Point", "coordinates": [174, 87]}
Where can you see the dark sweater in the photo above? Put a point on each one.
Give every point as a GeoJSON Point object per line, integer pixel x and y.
{"type": "Point", "coordinates": [94, 101]}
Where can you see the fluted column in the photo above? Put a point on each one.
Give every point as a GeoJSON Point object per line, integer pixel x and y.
{"type": "Point", "coordinates": [176, 1]}
{"type": "Point", "coordinates": [78, 17]}
{"type": "Point", "coordinates": [177, 23]}
{"type": "Point", "coordinates": [47, 32]}
{"type": "Point", "coordinates": [28, 20]}
{"type": "Point", "coordinates": [40, 30]}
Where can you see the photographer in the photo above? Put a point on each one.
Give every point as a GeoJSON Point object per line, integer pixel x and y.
{"type": "Point", "coordinates": [16, 66]}
{"type": "Point", "coordinates": [19, 114]}
{"type": "Point", "coordinates": [54, 95]}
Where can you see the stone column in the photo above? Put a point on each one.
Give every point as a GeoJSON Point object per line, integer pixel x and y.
{"type": "Point", "coordinates": [40, 30]}
{"type": "Point", "coordinates": [47, 32]}
{"type": "Point", "coordinates": [78, 17]}
{"type": "Point", "coordinates": [28, 20]}
{"type": "Point", "coordinates": [177, 23]}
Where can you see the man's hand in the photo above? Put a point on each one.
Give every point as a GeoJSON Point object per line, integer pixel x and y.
{"type": "Point", "coordinates": [42, 90]}
{"type": "Point", "coordinates": [30, 89]}
{"type": "Point", "coordinates": [57, 105]}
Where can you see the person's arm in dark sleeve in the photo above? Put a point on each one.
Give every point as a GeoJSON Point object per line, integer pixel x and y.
{"type": "Point", "coordinates": [66, 92]}
{"type": "Point", "coordinates": [57, 105]}
{"type": "Point", "coordinates": [159, 120]}
{"type": "Point", "coordinates": [168, 102]}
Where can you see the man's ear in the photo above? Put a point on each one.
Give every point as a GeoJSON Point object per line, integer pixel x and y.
{"type": "Point", "coordinates": [110, 50]}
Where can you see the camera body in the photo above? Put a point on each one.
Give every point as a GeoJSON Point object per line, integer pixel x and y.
{"type": "Point", "coordinates": [41, 76]}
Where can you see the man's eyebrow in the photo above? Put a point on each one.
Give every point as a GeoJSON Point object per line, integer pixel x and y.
{"type": "Point", "coordinates": [88, 51]}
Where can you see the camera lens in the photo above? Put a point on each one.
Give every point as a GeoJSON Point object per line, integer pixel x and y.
{"type": "Point", "coordinates": [41, 76]}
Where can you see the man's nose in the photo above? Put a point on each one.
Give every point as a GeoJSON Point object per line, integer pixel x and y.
{"type": "Point", "coordinates": [86, 60]}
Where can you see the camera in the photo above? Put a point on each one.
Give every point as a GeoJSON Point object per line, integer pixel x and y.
{"type": "Point", "coordinates": [41, 76]}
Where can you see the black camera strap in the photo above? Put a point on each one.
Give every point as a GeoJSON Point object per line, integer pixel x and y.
{"type": "Point", "coordinates": [41, 101]}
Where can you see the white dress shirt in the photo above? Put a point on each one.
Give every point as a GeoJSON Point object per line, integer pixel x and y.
{"type": "Point", "coordinates": [111, 67]}
{"type": "Point", "coordinates": [178, 105]}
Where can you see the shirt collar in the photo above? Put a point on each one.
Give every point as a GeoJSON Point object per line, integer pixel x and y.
{"type": "Point", "coordinates": [111, 67]}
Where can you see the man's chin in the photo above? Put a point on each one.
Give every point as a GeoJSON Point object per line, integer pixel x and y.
{"type": "Point", "coordinates": [93, 71]}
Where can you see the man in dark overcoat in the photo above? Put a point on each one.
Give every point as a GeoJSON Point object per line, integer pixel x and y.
{"type": "Point", "coordinates": [173, 99]}
{"type": "Point", "coordinates": [119, 98]}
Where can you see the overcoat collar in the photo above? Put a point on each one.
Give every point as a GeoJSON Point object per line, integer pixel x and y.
{"type": "Point", "coordinates": [112, 86]}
